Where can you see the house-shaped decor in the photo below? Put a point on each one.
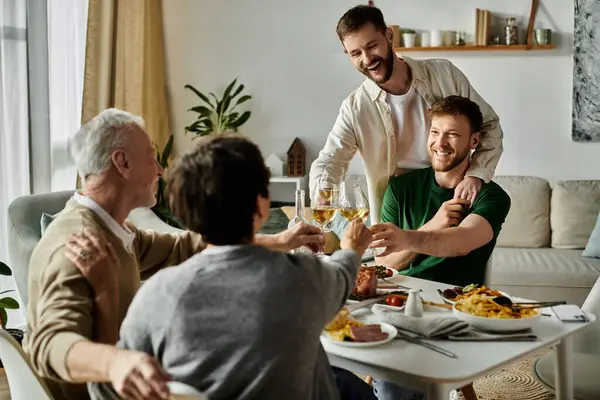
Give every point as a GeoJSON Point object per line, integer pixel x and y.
{"type": "Point", "coordinates": [275, 165]}
{"type": "Point", "coordinates": [296, 160]}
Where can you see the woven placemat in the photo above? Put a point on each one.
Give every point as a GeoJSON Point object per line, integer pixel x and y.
{"type": "Point", "coordinates": [513, 383]}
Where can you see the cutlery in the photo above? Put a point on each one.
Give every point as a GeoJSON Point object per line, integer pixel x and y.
{"type": "Point", "coordinates": [417, 341]}
{"type": "Point", "coordinates": [505, 301]}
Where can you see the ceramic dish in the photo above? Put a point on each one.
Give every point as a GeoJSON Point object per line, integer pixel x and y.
{"type": "Point", "coordinates": [389, 329]}
{"type": "Point", "coordinates": [497, 324]}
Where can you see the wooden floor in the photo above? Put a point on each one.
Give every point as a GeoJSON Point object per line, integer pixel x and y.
{"type": "Point", "coordinates": [4, 392]}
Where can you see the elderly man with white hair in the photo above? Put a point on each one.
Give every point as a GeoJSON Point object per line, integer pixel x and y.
{"type": "Point", "coordinates": [74, 311]}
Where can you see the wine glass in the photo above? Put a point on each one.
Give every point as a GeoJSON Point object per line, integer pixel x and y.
{"type": "Point", "coordinates": [324, 205]}
{"type": "Point", "coordinates": [353, 203]}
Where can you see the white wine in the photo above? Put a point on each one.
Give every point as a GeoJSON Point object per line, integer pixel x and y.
{"type": "Point", "coordinates": [351, 213]}
{"type": "Point", "coordinates": [324, 215]}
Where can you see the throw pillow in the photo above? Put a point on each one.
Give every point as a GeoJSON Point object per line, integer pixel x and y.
{"type": "Point", "coordinates": [592, 249]}
{"type": "Point", "coordinates": [46, 220]}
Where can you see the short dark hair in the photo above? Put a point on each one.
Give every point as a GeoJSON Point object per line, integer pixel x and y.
{"type": "Point", "coordinates": [457, 105]}
{"type": "Point", "coordinates": [213, 188]}
{"type": "Point", "coordinates": [357, 17]}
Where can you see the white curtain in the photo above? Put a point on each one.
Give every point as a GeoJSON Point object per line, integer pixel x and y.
{"type": "Point", "coordinates": [14, 121]}
{"type": "Point", "coordinates": [67, 26]}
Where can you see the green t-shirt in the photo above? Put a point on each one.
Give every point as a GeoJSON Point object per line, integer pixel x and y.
{"type": "Point", "coordinates": [412, 199]}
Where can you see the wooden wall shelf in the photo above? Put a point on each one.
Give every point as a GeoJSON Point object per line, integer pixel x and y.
{"type": "Point", "coordinates": [501, 47]}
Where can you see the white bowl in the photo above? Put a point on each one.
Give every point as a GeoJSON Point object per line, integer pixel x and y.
{"type": "Point", "coordinates": [497, 324]}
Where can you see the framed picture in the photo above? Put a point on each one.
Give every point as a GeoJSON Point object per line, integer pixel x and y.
{"type": "Point", "coordinates": [586, 72]}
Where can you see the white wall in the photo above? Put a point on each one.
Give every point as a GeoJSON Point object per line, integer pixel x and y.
{"type": "Point", "coordinates": [287, 54]}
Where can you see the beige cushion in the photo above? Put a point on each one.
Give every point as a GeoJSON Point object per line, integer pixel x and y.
{"type": "Point", "coordinates": [574, 209]}
{"type": "Point", "coordinates": [528, 221]}
{"type": "Point", "coordinates": [544, 267]}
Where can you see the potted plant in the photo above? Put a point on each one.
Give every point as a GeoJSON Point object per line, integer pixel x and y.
{"type": "Point", "coordinates": [161, 208]}
{"type": "Point", "coordinates": [408, 37]}
{"type": "Point", "coordinates": [218, 115]}
{"type": "Point", "coordinates": [8, 303]}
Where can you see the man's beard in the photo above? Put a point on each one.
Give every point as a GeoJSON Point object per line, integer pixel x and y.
{"type": "Point", "coordinates": [386, 63]}
{"type": "Point", "coordinates": [452, 163]}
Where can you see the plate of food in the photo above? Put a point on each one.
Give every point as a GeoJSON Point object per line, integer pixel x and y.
{"type": "Point", "coordinates": [346, 331]}
{"type": "Point", "coordinates": [451, 296]}
{"type": "Point", "coordinates": [483, 313]}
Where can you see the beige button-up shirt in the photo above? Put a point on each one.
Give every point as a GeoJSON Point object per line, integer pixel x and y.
{"type": "Point", "coordinates": [365, 124]}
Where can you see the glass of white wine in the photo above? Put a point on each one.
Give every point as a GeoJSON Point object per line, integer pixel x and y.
{"type": "Point", "coordinates": [324, 205]}
{"type": "Point", "coordinates": [353, 203]}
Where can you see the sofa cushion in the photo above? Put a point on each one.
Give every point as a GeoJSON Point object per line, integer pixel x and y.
{"type": "Point", "coordinates": [592, 248]}
{"type": "Point", "coordinates": [574, 209]}
{"type": "Point", "coordinates": [528, 221]}
{"type": "Point", "coordinates": [543, 267]}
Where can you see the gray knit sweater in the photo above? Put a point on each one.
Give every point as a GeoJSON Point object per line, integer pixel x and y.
{"type": "Point", "coordinates": [242, 322]}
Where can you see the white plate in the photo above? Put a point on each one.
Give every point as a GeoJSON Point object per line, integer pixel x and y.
{"type": "Point", "coordinates": [497, 324]}
{"type": "Point", "coordinates": [390, 329]}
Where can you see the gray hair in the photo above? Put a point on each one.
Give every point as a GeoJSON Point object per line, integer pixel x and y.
{"type": "Point", "coordinates": [93, 145]}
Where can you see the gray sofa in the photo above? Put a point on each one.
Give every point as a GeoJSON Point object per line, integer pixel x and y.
{"type": "Point", "coordinates": [538, 253]}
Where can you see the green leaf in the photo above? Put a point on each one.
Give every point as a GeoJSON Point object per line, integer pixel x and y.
{"type": "Point", "coordinates": [9, 303]}
{"type": "Point", "coordinates": [167, 152]}
{"type": "Point", "coordinates": [203, 111]}
{"type": "Point", "coordinates": [216, 100]}
{"type": "Point", "coordinates": [228, 90]}
{"type": "Point", "coordinates": [7, 291]}
{"type": "Point", "coordinates": [231, 117]}
{"type": "Point", "coordinates": [238, 91]}
{"type": "Point", "coordinates": [241, 120]}
{"type": "Point", "coordinates": [203, 97]}
{"type": "Point", "coordinates": [4, 317]}
{"type": "Point", "coordinates": [225, 105]}
{"type": "Point", "coordinates": [242, 100]}
{"type": "Point", "coordinates": [5, 269]}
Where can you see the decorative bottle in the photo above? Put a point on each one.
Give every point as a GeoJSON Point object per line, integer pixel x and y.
{"type": "Point", "coordinates": [510, 32]}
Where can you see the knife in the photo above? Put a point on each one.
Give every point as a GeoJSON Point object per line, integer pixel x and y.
{"type": "Point", "coordinates": [364, 303]}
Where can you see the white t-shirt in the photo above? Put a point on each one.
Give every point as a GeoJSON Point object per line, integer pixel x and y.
{"type": "Point", "coordinates": [412, 128]}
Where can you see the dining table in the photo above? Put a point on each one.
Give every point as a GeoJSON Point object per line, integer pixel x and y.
{"type": "Point", "coordinates": [408, 364]}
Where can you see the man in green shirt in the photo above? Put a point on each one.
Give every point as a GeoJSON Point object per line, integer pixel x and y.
{"type": "Point", "coordinates": [428, 234]}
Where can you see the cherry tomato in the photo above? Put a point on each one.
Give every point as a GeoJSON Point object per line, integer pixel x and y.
{"type": "Point", "coordinates": [394, 301]}
{"type": "Point", "coordinates": [388, 273]}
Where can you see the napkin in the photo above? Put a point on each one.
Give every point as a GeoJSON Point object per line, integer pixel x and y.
{"type": "Point", "coordinates": [429, 327]}
{"type": "Point", "coordinates": [444, 327]}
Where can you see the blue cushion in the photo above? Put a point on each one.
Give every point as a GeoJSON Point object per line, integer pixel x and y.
{"type": "Point", "coordinates": [592, 249]}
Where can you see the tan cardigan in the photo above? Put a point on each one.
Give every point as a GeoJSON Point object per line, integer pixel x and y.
{"type": "Point", "coordinates": [60, 308]}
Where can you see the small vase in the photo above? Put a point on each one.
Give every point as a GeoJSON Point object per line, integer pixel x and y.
{"type": "Point", "coordinates": [414, 306]}
{"type": "Point", "coordinates": [437, 38]}
{"type": "Point", "coordinates": [409, 39]}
